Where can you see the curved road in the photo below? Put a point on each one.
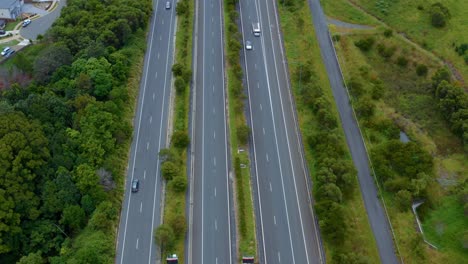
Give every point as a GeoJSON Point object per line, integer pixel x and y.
{"type": "Point", "coordinates": [375, 212]}
{"type": "Point", "coordinates": [141, 212]}
{"type": "Point", "coordinates": [40, 25]}
{"type": "Point", "coordinates": [287, 230]}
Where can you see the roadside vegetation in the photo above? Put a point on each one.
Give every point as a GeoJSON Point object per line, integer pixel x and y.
{"type": "Point", "coordinates": [239, 133]}
{"type": "Point", "coordinates": [396, 88]}
{"type": "Point", "coordinates": [66, 125]}
{"type": "Point", "coordinates": [171, 234]}
{"type": "Point", "coordinates": [338, 203]}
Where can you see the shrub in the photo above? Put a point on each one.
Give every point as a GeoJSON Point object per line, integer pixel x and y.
{"type": "Point", "coordinates": [169, 170]}
{"type": "Point", "coordinates": [439, 15]}
{"type": "Point", "coordinates": [243, 132]}
{"type": "Point", "coordinates": [421, 70]}
{"type": "Point", "coordinates": [388, 33]}
{"type": "Point", "coordinates": [384, 51]}
{"type": "Point", "coordinates": [178, 225]}
{"type": "Point", "coordinates": [180, 139]}
{"type": "Point", "coordinates": [403, 199]}
{"type": "Point", "coordinates": [164, 236]}
{"type": "Point", "coordinates": [402, 61]}
{"type": "Point", "coordinates": [178, 69]}
{"type": "Point", "coordinates": [179, 184]}
{"type": "Point", "coordinates": [365, 44]}
{"type": "Point", "coordinates": [180, 84]}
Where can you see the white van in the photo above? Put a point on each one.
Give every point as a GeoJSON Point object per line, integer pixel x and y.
{"type": "Point", "coordinates": [256, 29]}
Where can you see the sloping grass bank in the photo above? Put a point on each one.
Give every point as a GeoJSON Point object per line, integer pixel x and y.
{"type": "Point", "coordinates": [341, 213]}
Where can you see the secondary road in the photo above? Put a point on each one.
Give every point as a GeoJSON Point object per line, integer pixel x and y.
{"type": "Point", "coordinates": [212, 225]}
{"type": "Point", "coordinates": [375, 211]}
{"type": "Point", "coordinates": [287, 230]}
{"type": "Point", "coordinates": [39, 26]}
{"type": "Point", "coordinates": [141, 212]}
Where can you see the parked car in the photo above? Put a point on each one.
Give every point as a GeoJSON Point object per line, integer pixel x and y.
{"type": "Point", "coordinates": [26, 22]}
{"type": "Point", "coordinates": [9, 53]}
{"type": "Point", "coordinates": [5, 50]}
{"type": "Point", "coordinates": [2, 32]}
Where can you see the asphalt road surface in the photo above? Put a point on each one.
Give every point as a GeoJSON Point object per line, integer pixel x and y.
{"type": "Point", "coordinates": [40, 25]}
{"type": "Point", "coordinates": [212, 223]}
{"type": "Point", "coordinates": [287, 230]}
{"type": "Point", "coordinates": [141, 212]}
{"type": "Point", "coordinates": [375, 212]}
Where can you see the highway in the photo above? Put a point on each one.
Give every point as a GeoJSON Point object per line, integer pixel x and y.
{"type": "Point", "coordinates": [375, 211]}
{"type": "Point", "coordinates": [286, 227]}
{"type": "Point", "coordinates": [141, 212]}
{"type": "Point", "coordinates": [211, 218]}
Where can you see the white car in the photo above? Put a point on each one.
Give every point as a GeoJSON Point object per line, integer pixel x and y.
{"type": "Point", "coordinates": [248, 45]}
{"type": "Point", "coordinates": [168, 5]}
{"type": "Point", "coordinates": [26, 22]}
{"type": "Point", "coordinates": [5, 51]}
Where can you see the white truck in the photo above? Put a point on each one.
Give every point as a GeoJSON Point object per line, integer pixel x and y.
{"type": "Point", "coordinates": [256, 29]}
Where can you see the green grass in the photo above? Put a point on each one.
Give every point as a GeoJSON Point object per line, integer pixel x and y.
{"type": "Point", "coordinates": [344, 11]}
{"type": "Point", "coordinates": [243, 192]}
{"type": "Point", "coordinates": [404, 16]}
{"type": "Point", "coordinates": [408, 102]}
{"type": "Point", "coordinates": [11, 25]}
{"type": "Point", "coordinates": [175, 201]}
{"type": "Point", "coordinates": [300, 43]}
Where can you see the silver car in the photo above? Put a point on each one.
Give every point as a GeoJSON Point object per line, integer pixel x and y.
{"type": "Point", "coordinates": [168, 5]}
{"type": "Point", "coordinates": [248, 45]}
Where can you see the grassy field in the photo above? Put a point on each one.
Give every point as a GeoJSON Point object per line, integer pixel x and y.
{"type": "Point", "coordinates": [412, 18]}
{"type": "Point", "coordinates": [407, 101]}
{"type": "Point", "coordinates": [300, 44]}
{"type": "Point", "coordinates": [243, 192]}
{"type": "Point", "coordinates": [344, 11]}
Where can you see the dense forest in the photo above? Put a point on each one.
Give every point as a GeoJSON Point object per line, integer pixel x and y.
{"type": "Point", "coordinates": [64, 136]}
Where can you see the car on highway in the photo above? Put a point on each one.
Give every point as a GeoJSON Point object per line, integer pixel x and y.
{"type": "Point", "coordinates": [168, 5]}
{"type": "Point", "coordinates": [135, 185]}
{"type": "Point", "coordinates": [5, 51]}
{"type": "Point", "coordinates": [26, 22]}
{"type": "Point", "coordinates": [248, 45]}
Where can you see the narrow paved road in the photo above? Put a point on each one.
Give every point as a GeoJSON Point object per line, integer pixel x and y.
{"type": "Point", "coordinates": [40, 25]}
{"type": "Point", "coordinates": [212, 226]}
{"type": "Point", "coordinates": [375, 211]}
{"type": "Point", "coordinates": [141, 212]}
{"type": "Point", "coordinates": [287, 231]}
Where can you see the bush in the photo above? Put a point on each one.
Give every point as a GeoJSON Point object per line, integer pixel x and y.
{"type": "Point", "coordinates": [180, 139]}
{"type": "Point", "coordinates": [169, 170]}
{"type": "Point", "coordinates": [421, 70]}
{"type": "Point", "coordinates": [384, 51]}
{"type": "Point", "coordinates": [164, 236]}
{"type": "Point", "coordinates": [178, 69]}
{"type": "Point", "coordinates": [179, 184]}
{"type": "Point", "coordinates": [180, 85]}
{"type": "Point", "coordinates": [365, 44]}
{"type": "Point", "coordinates": [439, 15]}
{"type": "Point", "coordinates": [388, 33]}
{"type": "Point", "coordinates": [403, 199]}
{"type": "Point", "coordinates": [402, 61]}
{"type": "Point", "coordinates": [179, 225]}
{"type": "Point", "coordinates": [243, 132]}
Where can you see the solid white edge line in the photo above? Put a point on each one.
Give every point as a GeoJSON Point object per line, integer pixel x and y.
{"type": "Point", "coordinates": [203, 131]}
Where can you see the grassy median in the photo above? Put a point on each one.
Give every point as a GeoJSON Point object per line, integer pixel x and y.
{"type": "Point", "coordinates": [171, 234]}
{"type": "Point", "coordinates": [239, 134]}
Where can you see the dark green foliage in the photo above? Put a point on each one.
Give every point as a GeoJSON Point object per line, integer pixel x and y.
{"type": "Point", "coordinates": [73, 217]}
{"type": "Point", "coordinates": [332, 223]}
{"type": "Point", "coordinates": [402, 61]}
{"type": "Point", "coordinates": [179, 184]}
{"type": "Point", "coordinates": [180, 85]}
{"type": "Point", "coordinates": [243, 133]}
{"type": "Point", "coordinates": [384, 51]}
{"type": "Point", "coordinates": [388, 33]}
{"type": "Point", "coordinates": [164, 236]}
{"type": "Point", "coordinates": [240, 197]}
{"type": "Point", "coordinates": [180, 139]}
{"type": "Point", "coordinates": [169, 170]}
{"type": "Point", "coordinates": [421, 70]}
{"type": "Point", "coordinates": [461, 49]}
{"type": "Point", "coordinates": [403, 200]}
{"type": "Point", "coordinates": [178, 225]}
{"type": "Point", "coordinates": [49, 60]}
{"type": "Point", "coordinates": [365, 44]}
{"type": "Point", "coordinates": [439, 15]}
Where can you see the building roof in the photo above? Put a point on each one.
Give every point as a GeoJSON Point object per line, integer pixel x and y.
{"type": "Point", "coordinates": [7, 3]}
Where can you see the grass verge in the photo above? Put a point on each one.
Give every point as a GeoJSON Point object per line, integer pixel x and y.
{"type": "Point", "coordinates": [174, 209]}
{"type": "Point", "coordinates": [318, 121]}
{"type": "Point", "coordinates": [239, 135]}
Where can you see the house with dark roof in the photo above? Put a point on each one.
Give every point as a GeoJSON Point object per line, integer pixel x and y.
{"type": "Point", "coordinates": [10, 9]}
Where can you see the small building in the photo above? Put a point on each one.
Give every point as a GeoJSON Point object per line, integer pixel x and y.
{"type": "Point", "coordinates": [10, 9]}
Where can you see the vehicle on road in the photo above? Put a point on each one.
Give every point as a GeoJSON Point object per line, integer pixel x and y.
{"type": "Point", "coordinates": [26, 22]}
{"type": "Point", "coordinates": [5, 51]}
{"type": "Point", "coordinates": [9, 53]}
{"type": "Point", "coordinates": [168, 5]}
{"type": "Point", "coordinates": [248, 45]}
{"type": "Point", "coordinates": [135, 185]}
{"type": "Point", "coordinates": [256, 29]}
